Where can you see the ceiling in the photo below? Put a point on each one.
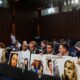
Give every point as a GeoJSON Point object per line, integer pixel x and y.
{"type": "Point", "coordinates": [35, 4]}
{"type": "Point", "coordinates": [26, 4]}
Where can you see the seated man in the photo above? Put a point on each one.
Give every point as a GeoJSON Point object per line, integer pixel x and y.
{"type": "Point", "coordinates": [64, 50]}
{"type": "Point", "coordinates": [24, 54]}
{"type": "Point", "coordinates": [50, 49]}
{"type": "Point", "coordinates": [77, 47]}
{"type": "Point", "coordinates": [32, 48]}
{"type": "Point", "coordinates": [24, 42]}
{"type": "Point", "coordinates": [43, 46]}
{"type": "Point", "coordinates": [17, 47]}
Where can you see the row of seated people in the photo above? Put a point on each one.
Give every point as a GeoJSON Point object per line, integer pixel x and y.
{"type": "Point", "coordinates": [25, 51]}
{"type": "Point", "coordinates": [46, 47]}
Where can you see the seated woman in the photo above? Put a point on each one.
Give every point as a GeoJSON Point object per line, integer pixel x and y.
{"type": "Point", "coordinates": [69, 71]}
{"type": "Point", "coordinates": [13, 60]}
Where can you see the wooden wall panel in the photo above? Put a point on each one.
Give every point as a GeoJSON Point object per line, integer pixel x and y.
{"type": "Point", "coordinates": [60, 25]}
{"type": "Point", "coordinates": [53, 26]}
{"type": "Point", "coordinates": [5, 25]}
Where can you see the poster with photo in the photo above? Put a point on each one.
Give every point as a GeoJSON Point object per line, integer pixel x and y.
{"type": "Point", "coordinates": [36, 64]}
{"type": "Point", "coordinates": [59, 62]}
{"type": "Point", "coordinates": [61, 67]}
{"type": "Point", "coordinates": [56, 71]}
{"type": "Point", "coordinates": [77, 65]}
{"type": "Point", "coordinates": [24, 65]}
{"type": "Point", "coordinates": [23, 60]}
{"type": "Point", "coordinates": [65, 67]}
{"type": "Point", "coordinates": [68, 68]}
{"type": "Point", "coordinates": [1, 52]}
{"type": "Point", "coordinates": [13, 59]}
{"type": "Point", "coordinates": [47, 65]}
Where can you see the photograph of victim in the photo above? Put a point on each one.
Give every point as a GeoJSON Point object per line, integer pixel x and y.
{"type": "Point", "coordinates": [36, 64]}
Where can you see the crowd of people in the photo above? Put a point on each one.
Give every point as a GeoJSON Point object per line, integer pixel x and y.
{"type": "Point", "coordinates": [19, 54]}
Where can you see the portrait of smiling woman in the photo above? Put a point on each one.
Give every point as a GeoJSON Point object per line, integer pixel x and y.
{"type": "Point", "coordinates": [13, 60]}
{"type": "Point", "coordinates": [69, 71]}
{"type": "Point", "coordinates": [37, 67]}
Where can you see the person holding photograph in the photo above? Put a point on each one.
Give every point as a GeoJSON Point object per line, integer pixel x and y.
{"type": "Point", "coordinates": [13, 60]}
{"type": "Point", "coordinates": [33, 48]}
{"type": "Point", "coordinates": [64, 50]}
{"type": "Point", "coordinates": [25, 53]}
{"type": "Point", "coordinates": [69, 71]}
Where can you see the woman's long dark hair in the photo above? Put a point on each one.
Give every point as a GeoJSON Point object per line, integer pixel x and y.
{"type": "Point", "coordinates": [26, 66]}
{"type": "Point", "coordinates": [38, 65]}
{"type": "Point", "coordinates": [11, 58]}
{"type": "Point", "coordinates": [48, 62]}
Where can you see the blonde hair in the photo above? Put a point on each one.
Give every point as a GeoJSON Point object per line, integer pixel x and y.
{"type": "Point", "coordinates": [64, 77]}
{"type": "Point", "coordinates": [34, 43]}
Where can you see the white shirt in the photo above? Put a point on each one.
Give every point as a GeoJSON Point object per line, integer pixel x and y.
{"type": "Point", "coordinates": [1, 51]}
{"type": "Point", "coordinates": [13, 39]}
{"type": "Point", "coordinates": [78, 71]}
{"type": "Point", "coordinates": [66, 54]}
{"type": "Point", "coordinates": [19, 45]}
{"type": "Point", "coordinates": [48, 72]}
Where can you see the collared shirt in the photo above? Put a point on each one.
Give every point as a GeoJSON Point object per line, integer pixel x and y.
{"type": "Point", "coordinates": [1, 52]}
{"type": "Point", "coordinates": [35, 52]}
{"type": "Point", "coordinates": [52, 53]}
{"type": "Point", "coordinates": [66, 54]}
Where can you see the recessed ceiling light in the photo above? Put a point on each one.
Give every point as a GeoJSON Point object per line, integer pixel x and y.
{"type": "Point", "coordinates": [1, 1]}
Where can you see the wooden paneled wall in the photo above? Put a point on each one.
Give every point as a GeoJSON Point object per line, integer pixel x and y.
{"type": "Point", "coordinates": [62, 25]}
{"type": "Point", "coordinates": [57, 26]}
